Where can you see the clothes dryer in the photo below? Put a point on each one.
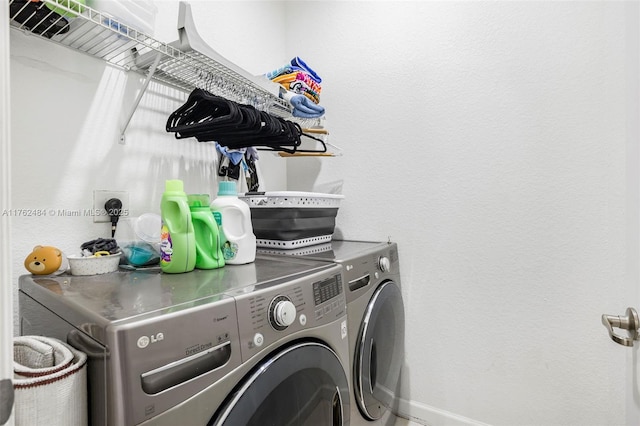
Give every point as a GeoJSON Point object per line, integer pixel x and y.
{"type": "Point", "coordinates": [376, 322]}
{"type": "Point", "coordinates": [257, 344]}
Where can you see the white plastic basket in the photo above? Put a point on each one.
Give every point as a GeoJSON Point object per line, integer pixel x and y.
{"type": "Point", "coordinates": [298, 250]}
{"type": "Point", "coordinates": [289, 245]}
{"type": "Point", "coordinates": [138, 14]}
{"type": "Point", "coordinates": [291, 199]}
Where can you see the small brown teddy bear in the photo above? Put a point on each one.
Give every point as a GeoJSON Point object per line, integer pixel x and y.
{"type": "Point", "coordinates": [43, 260]}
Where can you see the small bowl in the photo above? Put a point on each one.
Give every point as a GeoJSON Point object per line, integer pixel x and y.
{"type": "Point", "coordinates": [139, 253]}
{"type": "Point", "coordinates": [93, 265]}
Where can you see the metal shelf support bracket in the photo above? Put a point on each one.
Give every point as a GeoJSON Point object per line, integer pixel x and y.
{"type": "Point", "coordinates": [136, 102]}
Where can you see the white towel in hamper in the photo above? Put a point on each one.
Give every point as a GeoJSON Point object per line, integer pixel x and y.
{"type": "Point", "coordinates": [50, 382]}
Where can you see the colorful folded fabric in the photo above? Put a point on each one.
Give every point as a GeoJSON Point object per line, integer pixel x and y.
{"type": "Point", "coordinates": [287, 69]}
{"type": "Point", "coordinates": [297, 83]}
{"type": "Point", "coordinates": [302, 85]}
{"type": "Point", "coordinates": [306, 79]}
{"type": "Point", "coordinates": [298, 76]}
{"type": "Point", "coordinates": [311, 96]}
{"type": "Point", "coordinates": [296, 64]}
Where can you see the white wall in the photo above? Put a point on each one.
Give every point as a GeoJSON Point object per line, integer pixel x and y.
{"type": "Point", "coordinates": [489, 139]}
{"type": "Point", "coordinates": [6, 287]}
{"type": "Point", "coordinates": [67, 112]}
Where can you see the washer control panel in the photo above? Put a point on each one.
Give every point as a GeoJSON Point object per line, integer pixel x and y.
{"type": "Point", "coordinates": [327, 294]}
{"type": "Point", "coordinates": [362, 272]}
{"type": "Point", "coordinates": [271, 313]}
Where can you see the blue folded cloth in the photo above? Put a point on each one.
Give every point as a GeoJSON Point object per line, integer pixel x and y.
{"type": "Point", "coordinates": [304, 104]}
{"type": "Point", "coordinates": [301, 114]}
{"type": "Point", "coordinates": [297, 62]}
{"type": "Point", "coordinates": [235, 155]}
{"type": "Point", "coordinates": [303, 107]}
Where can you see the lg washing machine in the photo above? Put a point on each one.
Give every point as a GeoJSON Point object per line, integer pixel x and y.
{"type": "Point", "coordinates": [258, 344]}
{"type": "Point", "coordinates": [376, 322]}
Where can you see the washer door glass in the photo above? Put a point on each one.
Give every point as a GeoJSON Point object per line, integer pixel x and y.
{"type": "Point", "coordinates": [304, 384]}
{"type": "Point", "coordinates": [379, 352]}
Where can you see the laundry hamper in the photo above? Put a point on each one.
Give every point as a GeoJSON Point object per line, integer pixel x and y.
{"type": "Point", "coordinates": [290, 219]}
{"type": "Point", "coordinates": [50, 382]}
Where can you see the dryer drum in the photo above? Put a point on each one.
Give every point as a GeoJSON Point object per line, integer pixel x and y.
{"type": "Point", "coordinates": [303, 385]}
{"type": "Point", "coordinates": [379, 352]}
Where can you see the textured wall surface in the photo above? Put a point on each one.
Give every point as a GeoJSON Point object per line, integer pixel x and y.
{"type": "Point", "coordinates": [489, 139]}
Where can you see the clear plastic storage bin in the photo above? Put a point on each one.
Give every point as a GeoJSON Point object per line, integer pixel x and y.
{"type": "Point", "coordinates": [137, 14]}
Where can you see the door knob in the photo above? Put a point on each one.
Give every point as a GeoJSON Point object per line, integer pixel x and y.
{"type": "Point", "coordinates": [630, 322]}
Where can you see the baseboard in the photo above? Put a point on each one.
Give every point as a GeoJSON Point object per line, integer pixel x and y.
{"type": "Point", "coordinates": [431, 416]}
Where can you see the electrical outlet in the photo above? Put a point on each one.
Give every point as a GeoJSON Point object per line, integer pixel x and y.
{"type": "Point", "coordinates": [100, 197]}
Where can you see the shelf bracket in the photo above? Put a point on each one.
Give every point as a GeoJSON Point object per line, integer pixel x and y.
{"type": "Point", "coordinates": [147, 80]}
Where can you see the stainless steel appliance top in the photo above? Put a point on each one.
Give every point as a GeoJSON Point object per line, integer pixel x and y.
{"type": "Point", "coordinates": [126, 296]}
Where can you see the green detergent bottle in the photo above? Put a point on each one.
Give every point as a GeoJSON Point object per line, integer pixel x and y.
{"type": "Point", "coordinates": [208, 247]}
{"type": "Point", "coordinates": [177, 239]}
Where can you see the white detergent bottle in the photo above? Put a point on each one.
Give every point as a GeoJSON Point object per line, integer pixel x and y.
{"type": "Point", "coordinates": [234, 217]}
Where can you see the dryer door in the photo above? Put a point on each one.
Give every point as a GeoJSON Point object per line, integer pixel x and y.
{"type": "Point", "coordinates": [379, 352]}
{"type": "Point", "coordinates": [304, 384]}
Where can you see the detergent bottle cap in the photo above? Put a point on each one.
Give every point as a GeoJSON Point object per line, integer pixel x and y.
{"type": "Point", "coordinates": [227, 188]}
{"type": "Point", "coordinates": [198, 200]}
{"type": "Point", "coordinates": [174, 185]}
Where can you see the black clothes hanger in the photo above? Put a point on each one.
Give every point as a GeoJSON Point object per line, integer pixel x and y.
{"type": "Point", "coordinates": [201, 111]}
{"type": "Point", "coordinates": [208, 118]}
{"type": "Point", "coordinates": [249, 124]}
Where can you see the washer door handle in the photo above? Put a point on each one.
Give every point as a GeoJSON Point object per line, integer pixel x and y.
{"type": "Point", "coordinates": [630, 322]}
{"type": "Point", "coordinates": [337, 408]}
{"type": "Point", "coordinates": [373, 365]}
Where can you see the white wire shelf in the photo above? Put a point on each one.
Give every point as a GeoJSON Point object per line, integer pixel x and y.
{"type": "Point", "coordinates": [185, 64]}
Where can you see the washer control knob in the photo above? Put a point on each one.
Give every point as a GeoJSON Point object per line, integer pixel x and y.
{"type": "Point", "coordinates": [258, 339]}
{"type": "Point", "coordinates": [283, 313]}
{"type": "Point", "coordinates": [384, 264]}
